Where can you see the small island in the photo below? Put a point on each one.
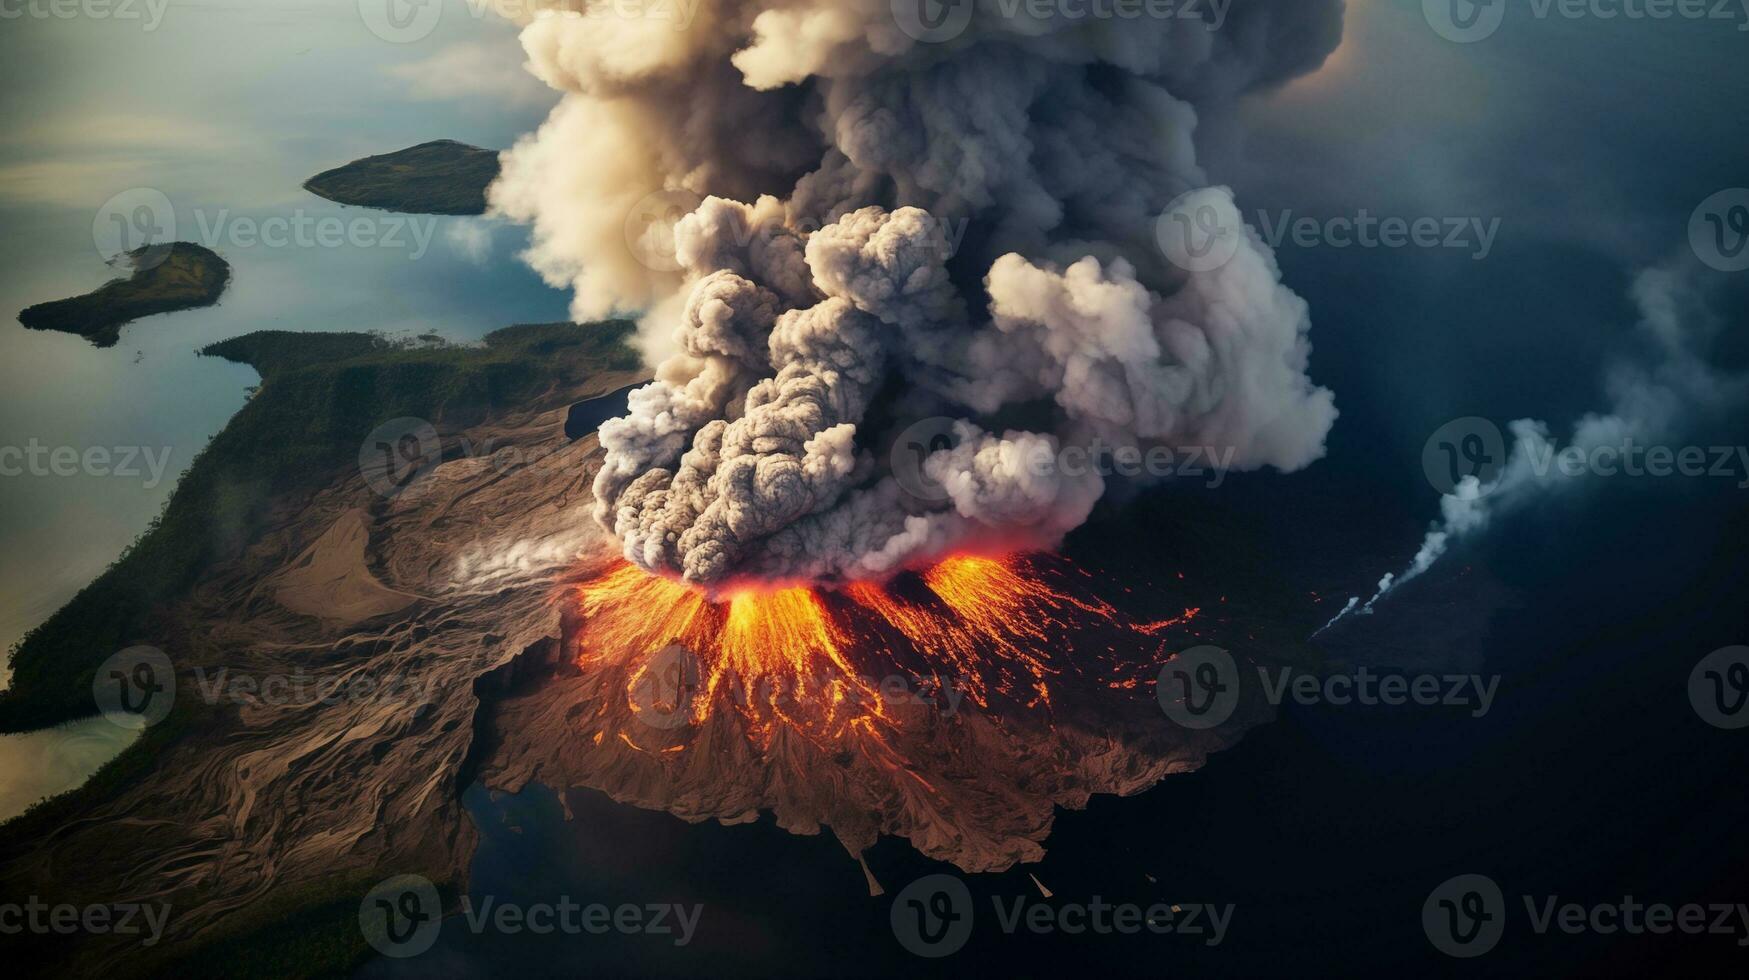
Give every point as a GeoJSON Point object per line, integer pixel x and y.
{"type": "Point", "coordinates": [440, 177]}
{"type": "Point", "coordinates": [166, 278]}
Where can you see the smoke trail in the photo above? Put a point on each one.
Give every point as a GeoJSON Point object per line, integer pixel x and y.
{"type": "Point", "coordinates": [1680, 307]}
{"type": "Point", "coordinates": [838, 219]}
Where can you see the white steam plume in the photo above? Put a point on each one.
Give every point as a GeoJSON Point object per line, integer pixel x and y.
{"type": "Point", "coordinates": [1679, 318]}
{"type": "Point", "coordinates": [834, 228]}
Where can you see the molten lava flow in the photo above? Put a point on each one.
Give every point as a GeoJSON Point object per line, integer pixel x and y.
{"type": "Point", "coordinates": [992, 628]}
{"type": "Point", "coordinates": [995, 620]}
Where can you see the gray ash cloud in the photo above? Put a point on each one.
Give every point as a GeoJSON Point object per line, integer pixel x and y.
{"type": "Point", "coordinates": [845, 229]}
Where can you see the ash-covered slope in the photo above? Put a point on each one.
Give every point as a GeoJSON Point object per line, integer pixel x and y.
{"type": "Point", "coordinates": [464, 651]}
{"type": "Point", "coordinates": [306, 753]}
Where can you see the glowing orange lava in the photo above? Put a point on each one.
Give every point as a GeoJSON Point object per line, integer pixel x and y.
{"type": "Point", "coordinates": [990, 628]}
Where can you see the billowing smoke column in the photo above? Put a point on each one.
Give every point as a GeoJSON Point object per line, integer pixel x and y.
{"type": "Point", "coordinates": [839, 218]}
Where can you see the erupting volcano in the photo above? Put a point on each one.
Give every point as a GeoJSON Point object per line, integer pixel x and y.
{"type": "Point", "coordinates": [890, 279]}
{"type": "Point", "coordinates": [889, 282]}
{"type": "Point", "coordinates": [955, 706]}
{"type": "Point", "coordinates": [986, 627]}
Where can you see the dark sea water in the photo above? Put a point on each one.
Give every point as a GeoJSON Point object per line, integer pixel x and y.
{"type": "Point", "coordinates": [586, 416]}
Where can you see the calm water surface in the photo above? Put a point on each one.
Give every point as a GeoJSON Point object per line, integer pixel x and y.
{"type": "Point", "coordinates": [225, 111]}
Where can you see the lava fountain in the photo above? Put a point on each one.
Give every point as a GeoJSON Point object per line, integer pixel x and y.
{"type": "Point", "coordinates": [956, 706]}
{"type": "Point", "coordinates": [992, 629]}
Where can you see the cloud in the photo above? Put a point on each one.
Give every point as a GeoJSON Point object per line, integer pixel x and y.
{"type": "Point", "coordinates": [471, 71]}
{"type": "Point", "coordinates": [833, 228]}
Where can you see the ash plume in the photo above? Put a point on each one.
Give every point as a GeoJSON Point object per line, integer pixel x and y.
{"type": "Point", "coordinates": [837, 220]}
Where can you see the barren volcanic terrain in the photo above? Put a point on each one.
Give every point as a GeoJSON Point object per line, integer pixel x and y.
{"type": "Point", "coordinates": [348, 661]}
